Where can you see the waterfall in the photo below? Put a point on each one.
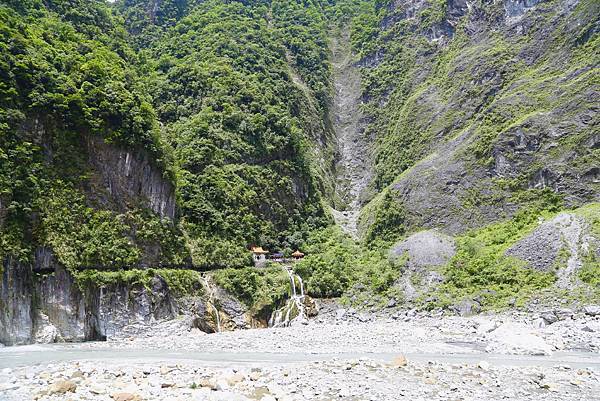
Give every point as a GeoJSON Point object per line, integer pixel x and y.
{"type": "Point", "coordinates": [218, 318]}
{"type": "Point", "coordinates": [283, 316]}
{"type": "Point", "coordinates": [292, 281]}
{"type": "Point", "coordinates": [301, 285]}
{"type": "Point", "coordinates": [211, 303]}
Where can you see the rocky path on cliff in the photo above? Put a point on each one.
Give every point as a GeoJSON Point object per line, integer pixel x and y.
{"type": "Point", "coordinates": [353, 166]}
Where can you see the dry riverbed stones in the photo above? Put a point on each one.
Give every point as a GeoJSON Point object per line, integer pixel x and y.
{"type": "Point", "coordinates": [380, 360]}
{"type": "Point", "coordinates": [335, 379]}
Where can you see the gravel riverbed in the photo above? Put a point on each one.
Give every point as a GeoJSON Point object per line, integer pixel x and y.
{"type": "Point", "coordinates": [409, 357]}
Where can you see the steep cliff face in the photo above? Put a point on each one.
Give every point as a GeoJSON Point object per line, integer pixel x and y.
{"type": "Point", "coordinates": [83, 175]}
{"type": "Point", "coordinates": [128, 178]}
{"type": "Point", "coordinates": [59, 307]}
{"type": "Point", "coordinates": [16, 300]}
{"type": "Point", "coordinates": [493, 109]}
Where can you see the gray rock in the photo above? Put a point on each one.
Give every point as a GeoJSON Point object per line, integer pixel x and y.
{"type": "Point", "coordinates": [131, 175]}
{"type": "Point", "coordinates": [16, 298]}
{"type": "Point", "coordinates": [564, 313]}
{"type": "Point", "coordinates": [540, 249]}
{"type": "Point", "coordinates": [411, 312]}
{"type": "Point", "coordinates": [425, 249]}
{"type": "Point", "coordinates": [516, 339]}
{"type": "Point", "coordinates": [539, 323]}
{"type": "Point", "coordinates": [516, 8]}
{"type": "Point", "coordinates": [591, 310]}
{"type": "Point", "coordinates": [588, 329]}
{"type": "Point", "coordinates": [46, 332]}
{"type": "Point", "coordinates": [467, 308]}
{"type": "Point", "coordinates": [549, 317]}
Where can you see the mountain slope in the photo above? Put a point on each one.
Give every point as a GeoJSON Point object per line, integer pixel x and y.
{"type": "Point", "coordinates": [149, 133]}
{"type": "Point", "coordinates": [492, 106]}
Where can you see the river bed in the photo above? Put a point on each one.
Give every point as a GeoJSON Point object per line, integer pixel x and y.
{"type": "Point", "coordinates": [422, 359]}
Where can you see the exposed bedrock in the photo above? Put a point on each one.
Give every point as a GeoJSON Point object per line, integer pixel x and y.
{"type": "Point", "coordinates": [128, 177]}
{"type": "Point", "coordinates": [54, 308]}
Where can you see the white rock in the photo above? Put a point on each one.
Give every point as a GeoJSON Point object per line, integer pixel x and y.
{"type": "Point", "coordinates": [97, 389]}
{"type": "Point", "coordinates": [483, 365]}
{"type": "Point", "coordinates": [46, 333]}
{"type": "Point", "coordinates": [487, 326]}
{"type": "Point", "coordinates": [539, 323]}
{"type": "Point", "coordinates": [592, 310]}
{"type": "Point", "coordinates": [517, 339]}
{"type": "Point", "coordinates": [222, 385]}
{"type": "Point", "coordinates": [226, 396]}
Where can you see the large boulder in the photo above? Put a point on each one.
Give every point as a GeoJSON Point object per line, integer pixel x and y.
{"type": "Point", "coordinates": [46, 332]}
{"type": "Point", "coordinates": [425, 249]}
{"type": "Point", "coordinates": [592, 310]}
{"type": "Point", "coordinates": [516, 339]}
{"type": "Point", "coordinates": [425, 252]}
{"type": "Point", "coordinates": [467, 308]}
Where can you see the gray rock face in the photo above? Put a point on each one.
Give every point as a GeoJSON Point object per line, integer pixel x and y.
{"type": "Point", "coordinates": [426, 248]}
{"type": "Point", "coordinates": [233, 308]}
{"type": "Point", "coordinates": [541, 249]}
{"type": "Point", "coordinates": [129, 176]}
{"type": "Point", "coordinates": [119, 306]}
{"type": "Point", "coordinates": [516, 8]}
{"type": "Point", "coordinates": [53, 308]}
{"type": "Point", "coordinates": [16, 303]}
{"type": "Point", "coordinates": [61, 301]}
{"type": "Point", "coordinates": [439, 181]}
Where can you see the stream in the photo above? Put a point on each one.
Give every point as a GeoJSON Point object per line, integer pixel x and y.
{"type": "Point", "coordinates": [19, 356]}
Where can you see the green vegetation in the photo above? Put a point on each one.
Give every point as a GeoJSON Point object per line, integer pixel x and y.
{"type": "Point", "coordinates": [481, 270]}
{"type": "Point", "coordinates": [387, 224]}
{"type": "Point", "coordinates": [230, 102]}
{"type": "Point", "coordinates": [491, 87]}
{"type": "Point", "coordinates": [221, 84]}
{"type": "Point", "coordinates": [180, 282]}
{"type": "Point", "coordinates": [102, 238]}
{"type": "Point", "coordinates": [261, 290]}
{"type": "Point", "coordinates": [207, 94]}
{"type": "Point", "coordinates": [433, 14]}
{"type": "Point", "coordinates": [335, 264]}
{"type": "Point", "coordinates": [66, 75]}
{"type": "Point", "coordinates": [590, 271]}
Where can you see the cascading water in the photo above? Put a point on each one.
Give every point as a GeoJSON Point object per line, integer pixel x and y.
{"type": "Point", "coordinates": [283, 317]}
{"type": "Point", "coordinates": [211, 302]}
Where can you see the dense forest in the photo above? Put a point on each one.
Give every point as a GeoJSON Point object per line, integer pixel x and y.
{"type": "Point", "coordinates": [206, 93]}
